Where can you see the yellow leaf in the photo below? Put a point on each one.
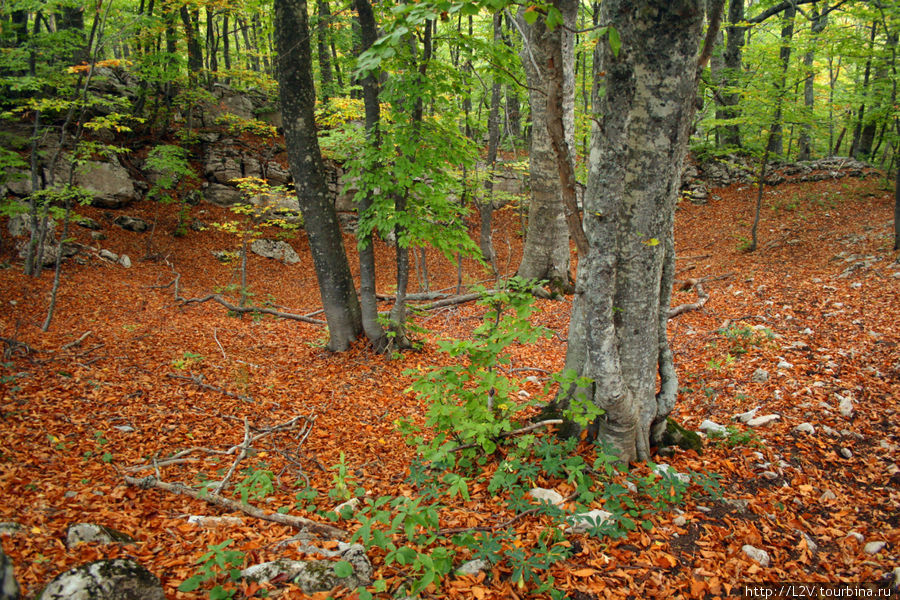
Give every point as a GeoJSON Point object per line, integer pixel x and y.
{"type": "Point", "coordinates": [584, 572]}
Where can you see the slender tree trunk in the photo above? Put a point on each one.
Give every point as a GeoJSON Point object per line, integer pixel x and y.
{"type": "Point", "coordinates": [372, 327]}
{"type": "Point", "coordinates": [322, 48]}
{"type": "Point", "coordinates": [399, 311]}
{"type": "Point", "coordinates": [486, 206]}
{"type": "Point", "coordinates": [862, 134]}
{"type": "Point", "coordinates": [733, 59]}
{"type": "Point", "coordinates": [212, 44]}
{"type": "Point", "coordinates": [297, 93]}
{"type": "Point", "coordinates": [820, 20]}
{"type": "Point", "coordinates": [190, 23]}
{"type": "Point", "coordinates": [226, 45]}
{"type": "Point", "coordinates": [776, 141]}
{"type": "Point", "coordinates": [617, 333]}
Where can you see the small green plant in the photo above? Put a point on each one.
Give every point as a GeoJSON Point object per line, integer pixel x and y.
{"type": "Point", "coordinates": [341, 482]}
{"type": "Point", "coordinates": [213, 565]}
{"type": "Point", "coordinates": [187, 360]}
{"type": "Point", "coordinates": [732, 436]}
{"type": "Point", "coordinates": [173, 175]}
{"type": "Point", "coordinates": [257, 484]}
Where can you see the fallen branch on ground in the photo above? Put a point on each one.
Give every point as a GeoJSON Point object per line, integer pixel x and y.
{"type": "Point", "coordinates": [232, 307]}
{"type": "Point", "coordinates": [504, 524]}
{"type": "Point", "coordinates": [78, 341]}
{"type": "Point", "coordinates": [702, 296]}
{"type": "Point", "coordinates": [233, 505]}
{"type": "Point", "coordinates": [454, 300]}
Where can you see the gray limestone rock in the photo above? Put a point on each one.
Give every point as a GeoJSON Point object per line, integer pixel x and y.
{"type": "Point", "coordinates": [117, 579]}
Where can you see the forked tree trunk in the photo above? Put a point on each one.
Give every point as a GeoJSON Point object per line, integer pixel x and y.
{"type": "Point", "coordinates": [298, 98]}
{"type": "Point", "coordinates": [617, 333]}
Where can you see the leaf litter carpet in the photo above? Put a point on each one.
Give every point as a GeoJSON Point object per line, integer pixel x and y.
{"type": "Point", "coordinates": [824, 282]}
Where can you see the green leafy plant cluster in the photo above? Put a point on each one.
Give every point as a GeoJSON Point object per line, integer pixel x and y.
{"type": "Point", "coordinates": [472, 409]}
{"type": "Point", "coordinates": [474, 402]}
{"type": "Point", "coordinates": [739, 340]}
{"type": "Point", "coordinates": [212, 566]}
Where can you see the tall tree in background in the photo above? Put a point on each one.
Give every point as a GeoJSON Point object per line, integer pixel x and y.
{"type": "Point", "coordinates": [298, 99]}
{"type": "Point", "coordinates": [776, 139]}
{"type": "Point", "coordinates": [546, 252]}
{"type": "Point", "coordinates": [617, 333]}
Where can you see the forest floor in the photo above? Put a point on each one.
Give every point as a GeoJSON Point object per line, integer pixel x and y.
{"type": "Point", "coordinates": [824, 282]}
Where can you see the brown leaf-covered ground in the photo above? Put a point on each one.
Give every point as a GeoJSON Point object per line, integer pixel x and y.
{"type": "Point", "coordinates": [62, 456]}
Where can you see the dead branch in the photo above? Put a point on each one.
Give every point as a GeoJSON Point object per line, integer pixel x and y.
{"type": "Point", "coordinates": [697, 257]}
{"type": "Point", "coordinates": [233, 505]}
{"type": "Point", "coordinates": [702, 296]}
{"type": "Point", "coordinates": [250, 309]}
{"type": "Point", "coordinates": [198, 381]}
{"type": "Point", "coordinates": [180, 457]}
{"type": "Point", "coordinates": [78, 341]}
{"type": "Point", "coordinates": [237, 309]}
{"type": "Point", "coordinates": [453, 301]}
{"type": "Point", "coordinates": [242, 454]}
{"type": "Point", "coordinates": [12, 345]}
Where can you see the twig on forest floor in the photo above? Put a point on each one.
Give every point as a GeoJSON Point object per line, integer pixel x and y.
{"type": "Point", "coordinates": [242, 450]}
{"type": "Point", "coordinates": [232, 307]}
{"type": "Point", "coordinates": [78, 341]}
{"type": "Point", "coordinates": [233, 505]}
{"type": "Point", "coordinates": [702, 296]}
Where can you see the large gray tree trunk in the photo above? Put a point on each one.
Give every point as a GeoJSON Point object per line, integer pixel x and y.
{"type": "Point", "coordinates": [617, 334]}
{"type": "Point", "coordinates": [546, 252]}
{"type": "Point", "coordinates": [298, 97]}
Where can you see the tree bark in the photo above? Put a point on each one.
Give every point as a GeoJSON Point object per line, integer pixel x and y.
{"type": "Point", "coordinates": [820, 20]}
{"type": "Point", "coordinates": [733, 59]}
{"type": "Point", "coordinates": [617, 333]}
{"type": "Point", "coordinates": [322, 48]}
{"type": "Point", "coordinates": [369, 304]}
{"type": "Point", "coordinates": [862, 134]}
{"type": "Point", "coordinates": [776, 140]}
{"type": "Point", "coordinates": [191, 26]}
{"type": "Point", "coordinates": [297, 95]}
{"type": "Point", "coordinates": [486, 206]}
{"type": "Point", "coordinates": [546, 252]}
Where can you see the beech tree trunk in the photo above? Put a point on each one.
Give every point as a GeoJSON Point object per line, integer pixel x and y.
{"type": "Point", "coordinates": [733, 58]}
{"type": "Point", "coordinates": [617, 333]}
{"type": "Point", "coordinates": [369, 304]}
{"type": "Point", "coordinates": [298, 98]}
{"type": "Point", "coordinates": [546, 252]}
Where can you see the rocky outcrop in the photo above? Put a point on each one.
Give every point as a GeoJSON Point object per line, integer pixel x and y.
{"type": "Point", "coordinates": [275, 249]}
